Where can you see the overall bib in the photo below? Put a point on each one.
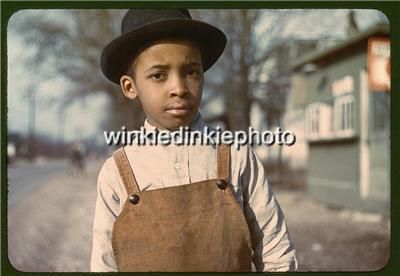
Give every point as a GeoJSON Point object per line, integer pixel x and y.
{"type": "Point", "coordinates": [194, 227]}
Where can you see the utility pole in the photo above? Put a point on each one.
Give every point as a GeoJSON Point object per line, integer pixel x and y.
{"type": "Point", "coordinates": [31, 120]}
{"type": "Point", "coordinates": [60, 132]}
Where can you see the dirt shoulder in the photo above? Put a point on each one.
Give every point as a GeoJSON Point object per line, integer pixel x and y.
{"type": "Point", "coordinates": [334, 240]}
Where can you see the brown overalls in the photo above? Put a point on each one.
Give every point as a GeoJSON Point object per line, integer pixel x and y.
{"type": "Point", "coordinates": [194, 227]}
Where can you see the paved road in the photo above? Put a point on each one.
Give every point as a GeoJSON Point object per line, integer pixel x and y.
{"type": "Point", "coordinates": [24, 178]}
{"type": "Point", "coordinates": [50, 217]}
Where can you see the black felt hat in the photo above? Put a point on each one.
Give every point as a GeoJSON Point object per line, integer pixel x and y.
{"type": "Point", "coordinates": [141, 26]}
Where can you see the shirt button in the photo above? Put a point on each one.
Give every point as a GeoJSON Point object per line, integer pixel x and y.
{"type": "Point", "coordinates": [134, 199]}
{"type": "Point", "coordinates": [177, 166]}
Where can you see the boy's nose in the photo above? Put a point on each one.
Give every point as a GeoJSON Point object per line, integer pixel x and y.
{"type": "Point", "coordinates": [179, 87]}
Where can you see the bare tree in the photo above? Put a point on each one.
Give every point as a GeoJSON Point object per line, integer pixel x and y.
{"type": "Point", "coordinates": [71, 53]}
{"type": "Point", "coordinates": [231, 77]}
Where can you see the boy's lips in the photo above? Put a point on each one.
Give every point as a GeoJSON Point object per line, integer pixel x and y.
{"type": "Point", "coordinates": [179, 109]}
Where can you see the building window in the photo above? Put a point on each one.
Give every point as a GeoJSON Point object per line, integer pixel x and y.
{"type": "Point", "coordinates": [318, 121]}
{"type": "Point", "coordinates": [344, 116]}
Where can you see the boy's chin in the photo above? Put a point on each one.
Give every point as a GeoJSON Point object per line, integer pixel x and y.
{"type": "Point", "coordinates": [168, 122]}
{"type": "Point", "coordinates": [176, 123]}
{"type": "Point", "coordinates": [176, 126]}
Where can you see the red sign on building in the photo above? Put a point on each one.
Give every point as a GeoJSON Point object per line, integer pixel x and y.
{"type": "Point", "coordinates": [379, 64]}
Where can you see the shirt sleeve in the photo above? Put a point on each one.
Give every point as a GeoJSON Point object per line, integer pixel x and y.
{"type": "Point", "coordinates": [273, 249]}
{"type": "Point", "coordinates": [106, 210]}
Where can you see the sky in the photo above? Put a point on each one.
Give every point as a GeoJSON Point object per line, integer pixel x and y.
{"type": "Point", "coordinates": [83, 118]}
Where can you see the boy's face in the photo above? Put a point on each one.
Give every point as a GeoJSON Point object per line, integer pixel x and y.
{"type": "Point", "coordinates": [168, 80]}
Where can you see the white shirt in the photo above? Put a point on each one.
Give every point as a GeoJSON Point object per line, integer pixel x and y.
{"type": "Point", "coordinates": [159, 166]}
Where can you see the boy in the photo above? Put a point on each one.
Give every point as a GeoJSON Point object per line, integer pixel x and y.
{"type": "Point", "coordinates": [187, 207]}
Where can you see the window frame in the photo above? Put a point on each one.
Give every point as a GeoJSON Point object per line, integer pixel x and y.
{"type": "Point", "coordinates": [344, 116]}
{"type": "Point", "coordinates": [318, 121]}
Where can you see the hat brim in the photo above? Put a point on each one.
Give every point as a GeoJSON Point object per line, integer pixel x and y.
{"type": "Point", "coordinates": [118, 53]}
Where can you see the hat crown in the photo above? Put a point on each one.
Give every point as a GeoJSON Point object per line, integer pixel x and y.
{"type": "Point", "coordinates": [136, 18]}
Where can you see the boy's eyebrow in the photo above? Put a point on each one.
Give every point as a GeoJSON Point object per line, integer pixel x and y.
{"type": "Point", "coordinates": [165, 66]}
{"type": "Point", "coordinates": [193, 63]}
{"type": "Point", "coordinates": [157, 66]}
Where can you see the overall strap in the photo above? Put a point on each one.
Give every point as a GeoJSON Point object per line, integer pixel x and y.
{"type": "Point", "coordinates": [223, 161]}
{"type": "Point", "coordinates": [126, 172]}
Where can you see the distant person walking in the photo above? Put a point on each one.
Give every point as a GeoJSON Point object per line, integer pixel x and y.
{"type": "Point", "coordinates": [77, 159]}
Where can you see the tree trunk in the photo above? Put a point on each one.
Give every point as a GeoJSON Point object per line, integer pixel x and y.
{"type": "Point", "coordinates": [239, 101]}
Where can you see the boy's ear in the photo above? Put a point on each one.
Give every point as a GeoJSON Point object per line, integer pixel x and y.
{"type": "Point", "coordinates": [128, 87]}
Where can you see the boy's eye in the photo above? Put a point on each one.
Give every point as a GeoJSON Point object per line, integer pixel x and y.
{"type": "Point", "coordinates": [194, 73]}
{"type": "Point", "coordinates": [158, 76]}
